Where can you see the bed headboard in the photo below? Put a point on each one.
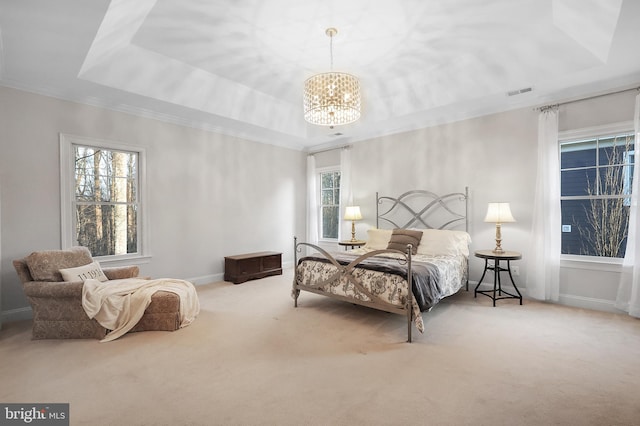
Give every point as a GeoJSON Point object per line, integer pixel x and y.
{"type": "Point", "coordinates": [423, 209]}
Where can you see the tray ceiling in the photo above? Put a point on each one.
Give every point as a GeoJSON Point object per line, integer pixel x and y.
{"type": "Point", "coordinates": [238, 67]}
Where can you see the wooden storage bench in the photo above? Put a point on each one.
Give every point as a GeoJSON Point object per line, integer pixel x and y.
{"type": "Point", "coordinates": [251, 266]}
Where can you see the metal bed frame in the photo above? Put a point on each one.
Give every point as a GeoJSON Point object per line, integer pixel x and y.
{"type": "Point", "coordinates": [421, 217]}
{"type": "Point", "coordinates": [418, 217]}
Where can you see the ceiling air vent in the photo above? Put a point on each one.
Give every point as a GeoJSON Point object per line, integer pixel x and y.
{"type": "Point", "coordinates": [519, 91]}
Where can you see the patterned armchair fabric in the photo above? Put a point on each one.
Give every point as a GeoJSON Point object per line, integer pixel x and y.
{"type": "Point", "coordinates": [57, 304]}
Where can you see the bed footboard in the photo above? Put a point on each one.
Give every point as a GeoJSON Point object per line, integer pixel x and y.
{"type": "Point", "coordinates": [347, 272]}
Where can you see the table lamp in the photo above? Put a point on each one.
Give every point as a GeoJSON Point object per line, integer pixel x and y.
{"type": "Point", "coordinates": [352, 213]}
{"type": "Point", "coordinates": [499, 213]}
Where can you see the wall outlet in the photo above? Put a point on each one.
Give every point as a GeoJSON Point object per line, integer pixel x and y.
{"type": "Point", "coordinates": [515, 270]}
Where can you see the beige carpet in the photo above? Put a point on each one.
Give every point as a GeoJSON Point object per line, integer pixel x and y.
{"type": "Point", "coordinates": [251, 358]}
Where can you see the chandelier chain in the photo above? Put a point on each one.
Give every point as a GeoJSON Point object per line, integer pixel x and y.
{"type": "Point", "coordinates": [331, 49]}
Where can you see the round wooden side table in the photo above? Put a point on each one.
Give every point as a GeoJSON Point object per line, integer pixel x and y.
{"type": "Point", "coordinates": [352, 244]}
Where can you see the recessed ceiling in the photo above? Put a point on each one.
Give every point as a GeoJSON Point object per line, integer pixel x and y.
{"type": "Point", "coordinates": [238, 67]}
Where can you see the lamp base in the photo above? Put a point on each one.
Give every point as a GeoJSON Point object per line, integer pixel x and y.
{"type": "Point", "coordinates": [498, 248]}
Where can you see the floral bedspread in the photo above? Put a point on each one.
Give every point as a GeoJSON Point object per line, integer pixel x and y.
{"type": "Point", "coordinates": [386, 279]}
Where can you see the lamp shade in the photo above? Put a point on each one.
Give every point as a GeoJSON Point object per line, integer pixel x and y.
{"type": "Point", "coordinates": [332, 99]}
{"type": "Point", "coordinates": [352, 213]}
{"type": "Point", "coordinates": [499, 213]}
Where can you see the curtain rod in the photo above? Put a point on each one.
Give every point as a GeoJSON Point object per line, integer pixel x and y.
{"type": "Point", "coordinates": [329, 149]}
{"type": "Point", "coordinates": [545, 107]}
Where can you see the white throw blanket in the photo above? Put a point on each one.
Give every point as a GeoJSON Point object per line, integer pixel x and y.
{"type": "Point", "coordinates": [118, 305]}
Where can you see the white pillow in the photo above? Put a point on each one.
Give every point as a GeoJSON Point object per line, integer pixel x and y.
{"type": "Point", "coordinates": [378, 238]}
{"type": "Point", "coordinates": [82, 273]}
{"type": "Point", "coordinates": [446, 242]}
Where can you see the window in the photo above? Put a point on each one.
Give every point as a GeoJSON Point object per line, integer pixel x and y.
{"type": "Point", "coordinates": [329, 204]}
{"type": "Point", "coordinates": [595, 183]}
{"type": "Point", "coordinates": [101, 196]}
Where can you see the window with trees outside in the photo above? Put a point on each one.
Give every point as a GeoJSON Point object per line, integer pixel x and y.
{"type": "Point", "coordinates": [102, 197]}
{"type": "Point", "coordinates": [329, 204]}
{"type": "Point", "coordinates": [595, 183]}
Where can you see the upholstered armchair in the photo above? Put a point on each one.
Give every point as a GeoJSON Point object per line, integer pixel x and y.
{"type": "Point", "coordinates": [57, 304]}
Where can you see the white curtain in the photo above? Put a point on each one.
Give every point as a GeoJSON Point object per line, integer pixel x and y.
{"type": "Point", "coordinates": [312, 201]}
{"type": "Point", "coordinates": [346, 196]}
{"type": "Point", "coordinates": [628, 298]}
{"type": "Point", "coordinates": [543, 265]}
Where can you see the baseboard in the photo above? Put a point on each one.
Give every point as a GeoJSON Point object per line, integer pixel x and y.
{"type": "Point", "coordinates": [565, 299]}
{"type": "Point", "coordinates": [19, 314]}
{"type": "Point", "coordinates": [206, 279]}
{"type": "Point", "coordinates": [214, 278]}
{"type": "Point", "coordinates": [589, 303]}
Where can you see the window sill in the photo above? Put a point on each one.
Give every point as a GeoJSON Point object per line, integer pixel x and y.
{"type": "Point", "coordinates": [593, 263]}
{"type": "Point", "coordinates": [123, 260]}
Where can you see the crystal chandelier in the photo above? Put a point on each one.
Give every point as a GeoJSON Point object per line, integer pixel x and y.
{"type": "Point", "coordinates": [331, 98]}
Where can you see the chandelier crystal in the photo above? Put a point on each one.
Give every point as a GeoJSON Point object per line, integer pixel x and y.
{"type": "Point", "coordinates": [331, 98]}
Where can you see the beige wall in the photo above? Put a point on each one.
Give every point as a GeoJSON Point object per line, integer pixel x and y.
{"type": "Point", "coordinates": [496, 157]}
{"type": "Point", "coordinates": [212, 195]}
{"type": "Point", "coordinates": [209, 195]}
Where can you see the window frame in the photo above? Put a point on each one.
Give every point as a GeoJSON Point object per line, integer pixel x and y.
{"type": "Point", "coordinates": [67, 195]}
{"type": "Point", "coordinates": [320, 172]}
{"type": "Point", "coordinates": [588, 262]}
